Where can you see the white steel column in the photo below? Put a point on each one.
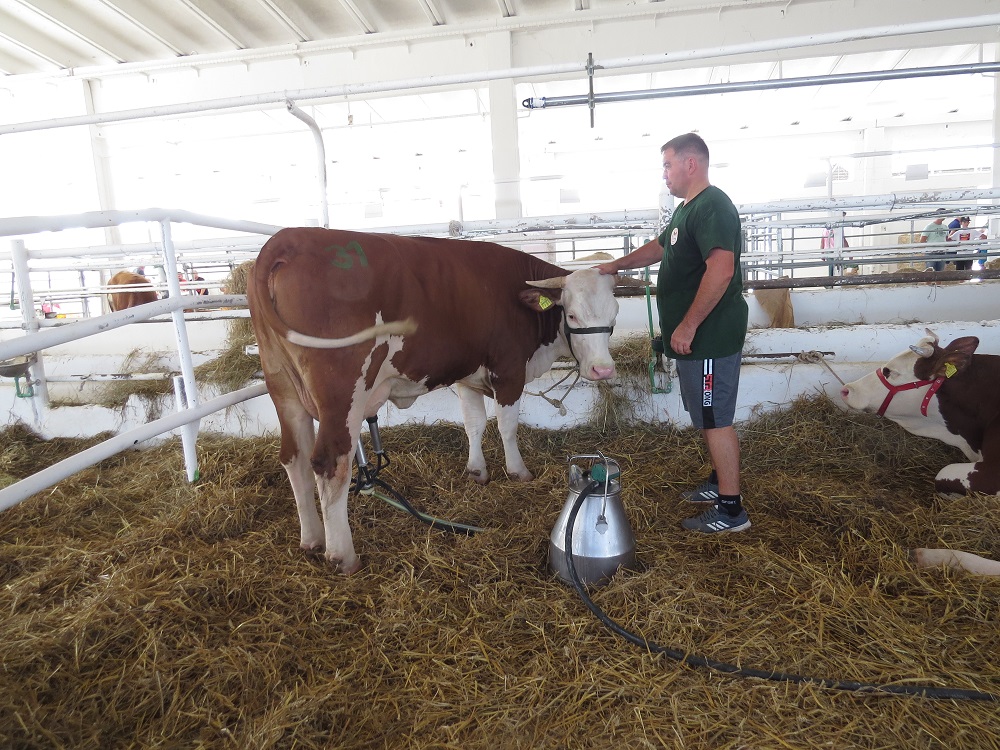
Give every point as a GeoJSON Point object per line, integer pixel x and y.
{"type": "Point", "coordinates": [102, 170]}
{"type": "Point", "coordinates": [189, 432]}
{"type": "Point", "coordinates": [503, 129]}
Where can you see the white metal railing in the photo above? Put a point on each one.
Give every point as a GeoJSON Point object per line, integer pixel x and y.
{"type": "Point", "coordinates": [189, 411]}
{"type": "Point", "coordinates": [15, 493]}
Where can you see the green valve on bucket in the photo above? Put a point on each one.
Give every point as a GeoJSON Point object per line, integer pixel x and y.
{"type": "Point", "coordinates": [599, 473]}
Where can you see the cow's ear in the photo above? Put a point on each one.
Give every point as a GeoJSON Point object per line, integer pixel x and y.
{"type": "Point", "coordinates": [956, 356]}
{"type": "Point", "coordinates": [541, 300]}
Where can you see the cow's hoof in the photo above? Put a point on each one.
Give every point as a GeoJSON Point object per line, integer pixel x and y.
{"type": "Point", "coordinates": [345, 567]}
{"type": "Point", "coordinates": [479, 476]}
{"type": "Point", "coordinates": [310, 546]}
{"type": "Point", "coordinates": [521, 476]}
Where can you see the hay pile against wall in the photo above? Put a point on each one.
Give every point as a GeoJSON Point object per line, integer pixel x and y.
{"type": "Point", "coordinates": [140, 611]}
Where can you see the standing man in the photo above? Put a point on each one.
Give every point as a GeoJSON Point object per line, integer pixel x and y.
{"type": "Point", "coordinates": [936, 231]}
{"type": "Point", "coordinates": [703, 316]}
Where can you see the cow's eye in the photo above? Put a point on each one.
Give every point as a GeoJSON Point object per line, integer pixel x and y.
{"type": "Point", "coordinates": [571, 316]}
{"type": "Point", "coordinates": [886, 372]}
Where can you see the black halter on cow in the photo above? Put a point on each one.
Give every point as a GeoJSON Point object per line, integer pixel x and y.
{"type": "Point", "coordinates": [347, 321]}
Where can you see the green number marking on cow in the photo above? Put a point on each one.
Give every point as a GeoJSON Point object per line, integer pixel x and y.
{"type": "Point", "coordinates": [344, 258]}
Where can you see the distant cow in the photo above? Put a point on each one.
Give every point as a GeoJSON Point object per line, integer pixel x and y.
{"type": "Point", "coordinates": [947, 393]}
{"type": "Point", "coordinates": [131, 298]}
{"type": "Point", "coordinates": [397, 317]}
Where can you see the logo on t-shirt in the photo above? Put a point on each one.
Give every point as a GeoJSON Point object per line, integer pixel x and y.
{"type": "Point", "coordinates": [673, 237]}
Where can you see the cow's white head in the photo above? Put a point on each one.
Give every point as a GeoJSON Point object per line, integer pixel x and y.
{"type": "Point", "coordinates": [904, 386]}
{"type": "Point", "coordinates": [589, 312]}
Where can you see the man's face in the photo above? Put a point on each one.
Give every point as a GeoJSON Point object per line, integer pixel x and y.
{"type": "Point", "coordinates": [676, 172]}
{"type": "Point", "coordinates": [964, 222]}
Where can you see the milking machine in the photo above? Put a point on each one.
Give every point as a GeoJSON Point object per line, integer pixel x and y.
{"type": "Point", "coordinates": [592, 540]}
{"type": "Point", "coordinates": [367, 482]}
{"type": "Point", "coordinates": [592, 537]}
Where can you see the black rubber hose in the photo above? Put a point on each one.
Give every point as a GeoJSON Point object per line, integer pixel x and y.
{"type": "Point", "coordinates": [925, 691]}
{"type": "Point", "coordinates": [437, 523]}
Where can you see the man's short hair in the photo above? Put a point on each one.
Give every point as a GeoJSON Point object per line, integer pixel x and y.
{"type": "Point", "coordinates": [964, 218]}
{"type": "Point", "coordinates": [690, 144]}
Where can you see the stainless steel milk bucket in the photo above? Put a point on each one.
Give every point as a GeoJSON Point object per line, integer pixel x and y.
{"type": "Point", "coordinates": [602, 538]}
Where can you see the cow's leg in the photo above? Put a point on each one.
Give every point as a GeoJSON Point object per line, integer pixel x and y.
{"type": "Point", "coordinates": [332, 461]}
{"type": "Point", "coordinates": [507, 419]}
{"type": "Point", "coordinates": [474, 418]}
{"type": "Point", "coordinates": [982, 476]}
{"type": "Point", "coordinates": [298, 437]}
{"type": "Point", "coordinates": [953, 480]}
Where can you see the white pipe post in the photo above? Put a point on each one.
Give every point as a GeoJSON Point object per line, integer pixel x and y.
{"type": "Point", "coordinates": [15, 493]}
{"type": "Point", "coordinates": [19, 260]}
{"type": "Point", "coordinates": [324, 205]}
{"type": "Point", "coordinates": [189, 434]}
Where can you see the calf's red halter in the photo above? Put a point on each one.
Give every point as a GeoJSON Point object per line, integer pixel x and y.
{"type": "Point", "coordinates": [894, 389]}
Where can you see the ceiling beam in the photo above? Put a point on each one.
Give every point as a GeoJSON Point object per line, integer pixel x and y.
{"type": "Point", "coordinates": [433, 12]}
{"type": "Point", "coordinates": [359, 18]}
{"type": "Point", "coordinates": [10, 64]}
{"type": "Point", "coordinates": [56, 14]}
{"type": "Point", "coordinates": [506, 9]}
{"type": "Point", "coordinates": [145, 28]}
{"type": "Point", "coordinates": [284, 19]}
{"type": "Point", "coordinates": [203, 16]}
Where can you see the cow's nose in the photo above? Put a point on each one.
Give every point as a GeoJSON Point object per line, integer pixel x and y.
{"type": "Point", "coordinates": [845, 392]}
{"type": "Point", "coordinates": [603, 373]}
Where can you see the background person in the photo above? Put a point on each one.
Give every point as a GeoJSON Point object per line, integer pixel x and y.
{"type": "Point", "coordinates": [935, 232]}
{"type": "Point", "coordinates": [703, 320]}
{"type": "Point", "coordinates": [955, 234]}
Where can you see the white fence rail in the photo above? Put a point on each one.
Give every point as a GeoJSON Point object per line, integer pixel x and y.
{"type": "Point", "coordinates": [189, 411]}
{"type": "Point", "coordinates": [15, 493]}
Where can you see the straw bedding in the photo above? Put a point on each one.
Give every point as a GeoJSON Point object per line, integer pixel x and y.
{"type": "Point", "coordinates": [140, 611]}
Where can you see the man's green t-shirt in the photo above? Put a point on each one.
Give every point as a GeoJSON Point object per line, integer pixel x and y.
{"type": "Point", "coordinates": [708, 221]}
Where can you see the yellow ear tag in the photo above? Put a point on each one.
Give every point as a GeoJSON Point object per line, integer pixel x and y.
{"type": "Point", "coordinates": [949, 369]}
{"type": "Point", "coordinates": [544, 302]}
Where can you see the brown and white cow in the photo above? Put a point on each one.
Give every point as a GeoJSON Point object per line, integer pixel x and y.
{"type": "Point", "coordinates": [397, 317]}
{"type": "Point", "coordinates": [132, 297]}
{"type": "Point", "coordinates": [946, 393]}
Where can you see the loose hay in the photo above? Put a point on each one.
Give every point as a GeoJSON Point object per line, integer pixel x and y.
{"type": "Point", "coordinates": [116, 394]}
{"type": "Point", "coordinates": [614, 408]}
{"type": "Point", "coordinates": [141, 611]}
{"type": "Point", "coordinates": [233, 368]}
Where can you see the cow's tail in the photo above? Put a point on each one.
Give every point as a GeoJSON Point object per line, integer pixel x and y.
{"type": "Point", "coordinates": [396, 328]}
{"type": "Point", "coordinates": [260, 279]}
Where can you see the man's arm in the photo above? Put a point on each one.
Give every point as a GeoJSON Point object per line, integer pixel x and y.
{"type": "Point", "coordinates": [647, 255]}
{"type": "Point", "coordinates": [719, 268]}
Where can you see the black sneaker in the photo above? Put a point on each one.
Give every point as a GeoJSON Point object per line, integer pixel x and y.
{"type": "Point", "coordinates": [716, 521]}
{"type": "Point", "coordinates": [706, 492]}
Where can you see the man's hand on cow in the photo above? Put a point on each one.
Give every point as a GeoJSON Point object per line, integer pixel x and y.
{"type": "Point", "coordinates": [681, 338]}
{"type": "Point", "coordinates": [607, 269]}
